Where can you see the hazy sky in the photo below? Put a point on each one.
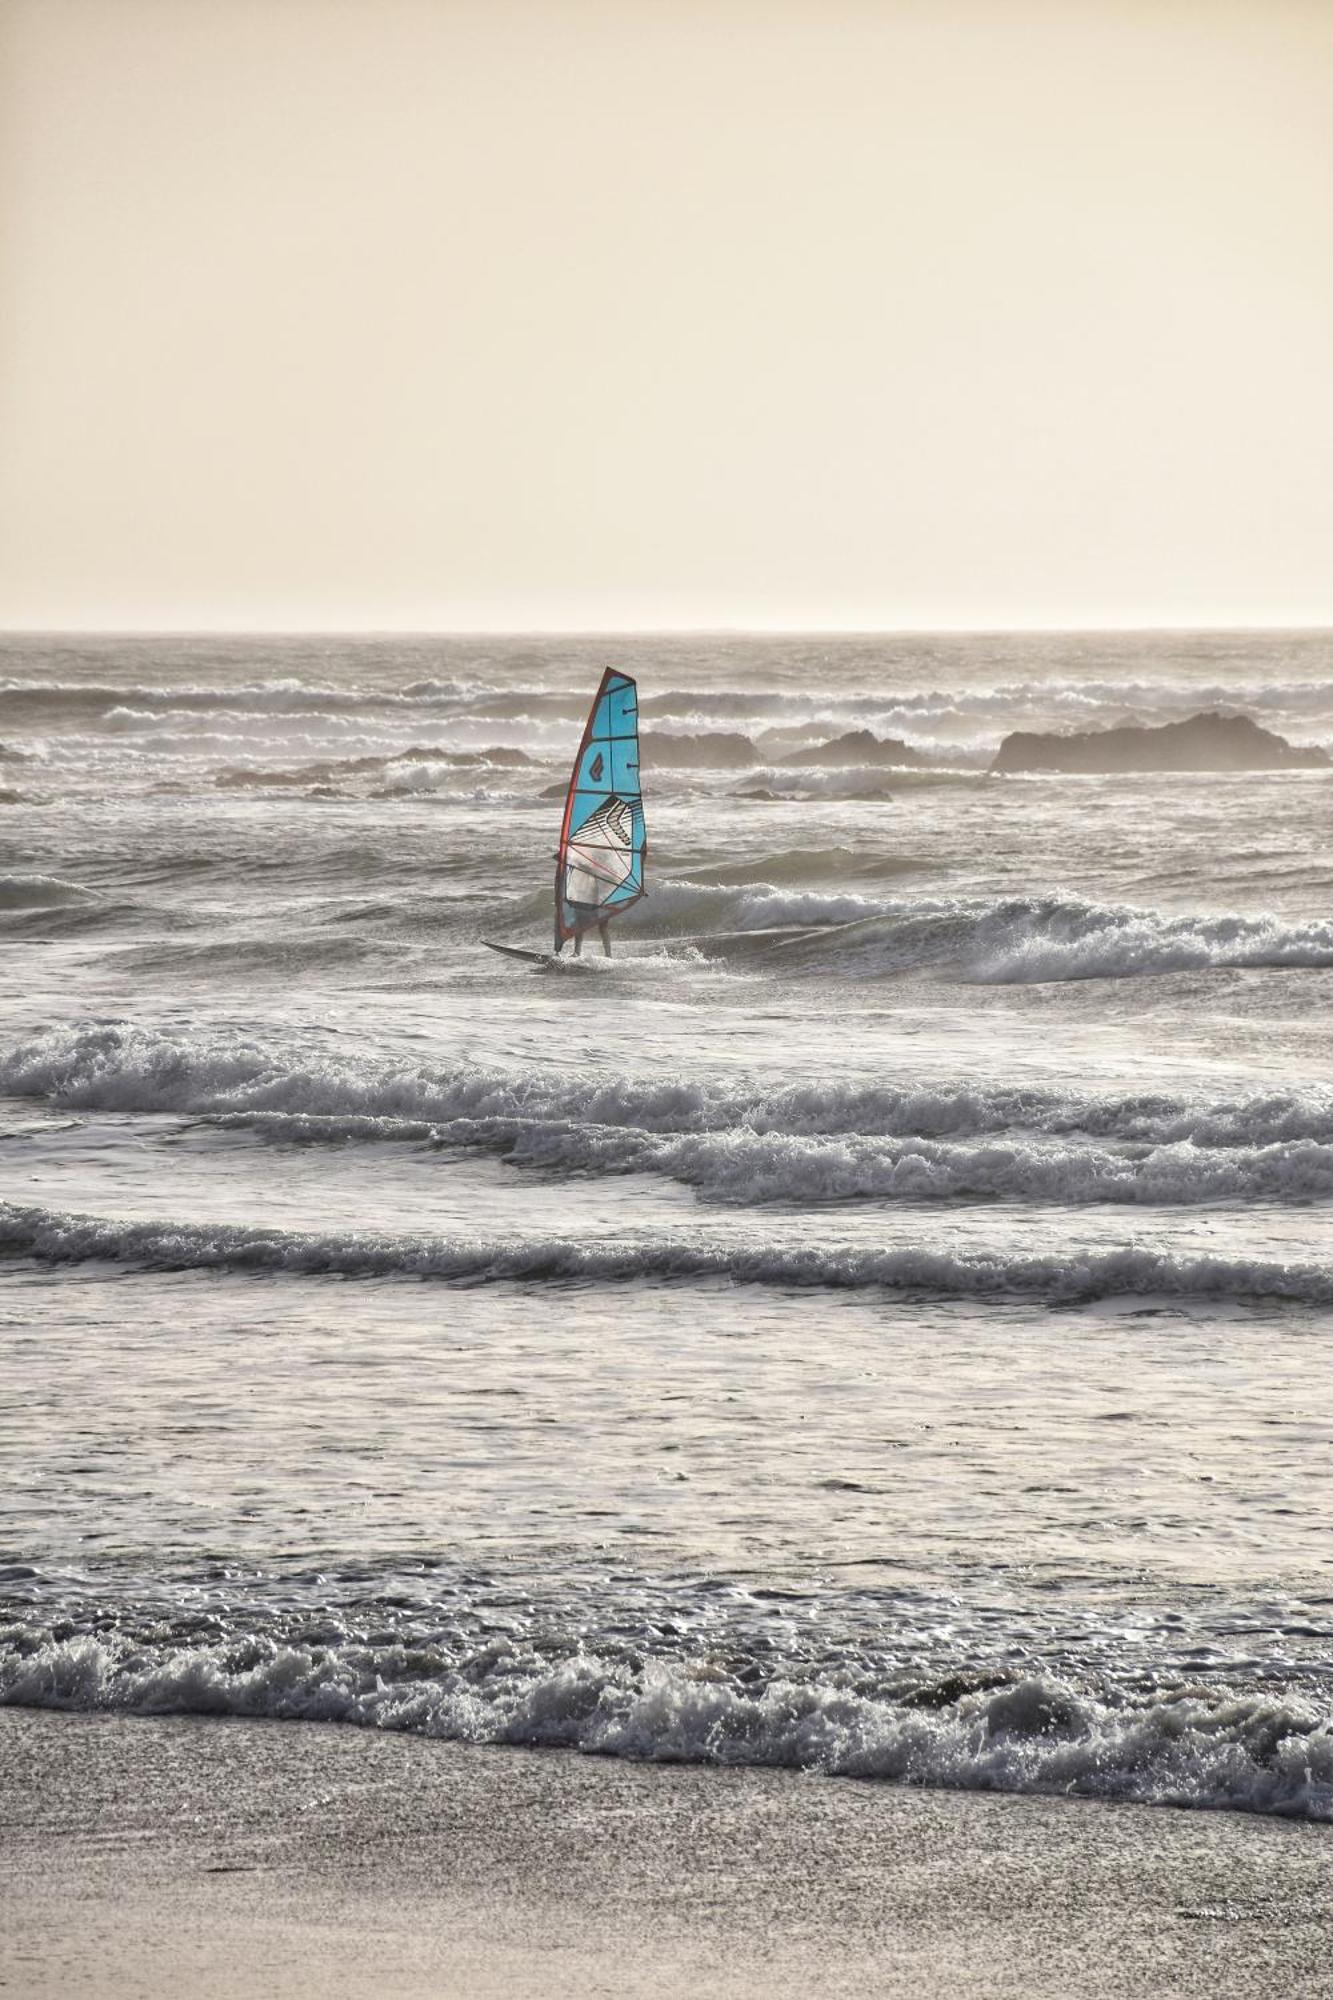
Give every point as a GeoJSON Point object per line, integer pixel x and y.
{"type": "Point", "coordinates": [410, 313]}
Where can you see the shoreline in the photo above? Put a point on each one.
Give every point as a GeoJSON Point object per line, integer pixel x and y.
{"type": "Point", "coordinates": [223, 1857]}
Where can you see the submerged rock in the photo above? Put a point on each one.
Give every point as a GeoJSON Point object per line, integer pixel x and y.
{"type": "Point", "coordinates": [1207, 742]}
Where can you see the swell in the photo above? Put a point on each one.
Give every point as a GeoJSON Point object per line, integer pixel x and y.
{"type": "Point", "coordinates": [1269, 1753]}
{"type": "Point", "coordinates": [54, 1237]}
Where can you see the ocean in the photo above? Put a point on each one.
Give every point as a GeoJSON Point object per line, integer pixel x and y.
{"type": "Point", "coordinates": [879, 1324]}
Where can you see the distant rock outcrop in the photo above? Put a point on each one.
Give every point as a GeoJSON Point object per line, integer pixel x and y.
{"type": "Point", "coordinates": [858, 746]}
{"type": "Point", "coordinates": [1208, 742]}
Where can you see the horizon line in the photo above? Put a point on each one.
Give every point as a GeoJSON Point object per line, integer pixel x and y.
{"type": "Point", "coordinates": [644, 631]}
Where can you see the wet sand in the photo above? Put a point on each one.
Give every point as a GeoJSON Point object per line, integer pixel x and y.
{"type": "Point", "coordinates": [155, 1858]}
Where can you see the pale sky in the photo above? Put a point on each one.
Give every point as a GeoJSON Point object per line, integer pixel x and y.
{"type": "Point", "coordinates": [415, 314]}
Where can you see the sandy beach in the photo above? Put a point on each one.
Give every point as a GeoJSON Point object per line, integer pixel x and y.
{"type": "Point", "coordinates": [221, 1858]}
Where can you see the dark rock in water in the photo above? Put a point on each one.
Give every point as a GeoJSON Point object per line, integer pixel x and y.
{"type": "Point", "coordinates": [709, 749]}
{"type": "Point", "coordinates": [425, 753]}
{"type": "Point", "coordinates": [1209, 742]}
{"type": "Point", "coordinates": [428, 753]}
{"type": "Point", "coordinates": [858, 746]}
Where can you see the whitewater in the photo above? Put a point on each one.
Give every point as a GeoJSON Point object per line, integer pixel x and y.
{"type": "Point", "coordinates": [878, 1325]}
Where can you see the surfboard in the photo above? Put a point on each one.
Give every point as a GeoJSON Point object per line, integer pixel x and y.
{"type": "Point", "coordinates": [549, 961]}
{"type": "Point", "coordinates": [515, 951]}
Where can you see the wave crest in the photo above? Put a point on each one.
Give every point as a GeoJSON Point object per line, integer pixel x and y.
{"type": "Point", "coordinates": [41, 892]}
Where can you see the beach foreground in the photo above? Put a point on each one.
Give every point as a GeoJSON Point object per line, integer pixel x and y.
{"type": "Point", "coordinates": [219, 1858]}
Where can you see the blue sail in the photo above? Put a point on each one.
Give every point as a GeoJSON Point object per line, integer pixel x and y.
{"type": "Point", "coordinates": [599, 863]}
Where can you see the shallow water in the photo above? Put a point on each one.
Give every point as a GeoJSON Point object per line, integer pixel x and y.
{"type": "Point", "coordinates": [880, 1321]}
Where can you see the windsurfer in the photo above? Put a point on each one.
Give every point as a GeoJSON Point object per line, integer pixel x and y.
{"type": "Point", "coordinates": [599, 859]}
{"type": "Point", "coordinates": [597, 862]}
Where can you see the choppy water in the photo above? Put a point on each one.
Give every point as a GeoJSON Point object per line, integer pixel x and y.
{"type": "Point", "coordinates": [880, 1322]}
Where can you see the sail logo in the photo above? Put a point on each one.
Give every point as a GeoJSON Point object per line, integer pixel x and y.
{"type": "Point", "coordinates": [597, 767]}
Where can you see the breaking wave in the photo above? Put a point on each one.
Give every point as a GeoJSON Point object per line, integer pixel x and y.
{"type": "Point", "coordinates": [1071, 1278]}
{"type": "Point", "coordinates": [1024, 940]}
{"type": "Point", "coordinates": [774, 1167]}
{"type": "Point", "coordinates": [119, 1066]}
{"type": "Point", "coordinates": [1036, 938]}
{"type": "Point", "coordinates": [1258, 1752]}
{"type": "Point", "coordinates": [1019, 940]}
{"type": "Point", "coordinates": [801, 1145]}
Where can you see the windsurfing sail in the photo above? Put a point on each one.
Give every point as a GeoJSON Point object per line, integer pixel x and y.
{"type": "Point", "coordinates": [599, 863]}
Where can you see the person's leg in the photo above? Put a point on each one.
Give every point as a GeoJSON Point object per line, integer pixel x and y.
{"type": "Point", "coordinates": [605, 929]}
{"type": "Point", "coordinates": [578, 944]}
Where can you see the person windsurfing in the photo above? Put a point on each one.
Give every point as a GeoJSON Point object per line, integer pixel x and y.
{"type": "Point", "coordinates": [603, 840]}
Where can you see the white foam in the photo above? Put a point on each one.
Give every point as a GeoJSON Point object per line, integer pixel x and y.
{"type": "Point", "coordinates": [1255, 1753]}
